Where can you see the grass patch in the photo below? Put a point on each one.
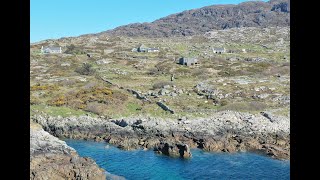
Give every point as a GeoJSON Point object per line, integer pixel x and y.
{"type": "Point", "coordinates": [133, 107]}
{"type": "Point", "coordinates": [161, 84]}
{"type": "Point", "coordinates": [58, 111]}
{"type": "Point", "coordinates": [244, 106]}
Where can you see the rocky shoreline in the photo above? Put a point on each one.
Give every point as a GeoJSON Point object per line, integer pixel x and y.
{"type": "Point", "coordinates": [51, 158]}
{"type": "Point", "coordinates": [225, 131]}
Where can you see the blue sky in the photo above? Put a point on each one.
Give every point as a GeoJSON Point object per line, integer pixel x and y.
{"type": "Point", "coordinates": [51, 19]}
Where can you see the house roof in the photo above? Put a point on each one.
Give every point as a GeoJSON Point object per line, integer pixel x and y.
{"type": "Point", "coordinates": [190, 59]}
{"type": "Point", "coordinates": [143, 46]}
{"type": "Point", "coordinates": [218, 49]}
{"type": "Point", "coordinates": [52, 48]}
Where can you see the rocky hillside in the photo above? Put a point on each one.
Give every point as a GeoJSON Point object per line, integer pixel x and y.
{"type": "Point", "coordinates": [200, 21]}
{"type": "Point", "coordinates": [51, 158]}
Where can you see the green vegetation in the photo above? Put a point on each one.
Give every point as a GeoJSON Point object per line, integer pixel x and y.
{"type": "Point", "coordinates": [73, 84]}
{"type": "Point", "coordinates": [85, 69]}
{"type": "Point", "coordinates": [59, 111]}
{"type": "Point", "coordinates": [244, 106]}
{"type": "Point", "coordinates": [39, 87]}
{"type": "Point", "coordinates": [72, 49]}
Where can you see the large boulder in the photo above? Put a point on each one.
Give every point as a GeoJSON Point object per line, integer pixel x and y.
{"type": "Point", "coordinates": [51, 158]}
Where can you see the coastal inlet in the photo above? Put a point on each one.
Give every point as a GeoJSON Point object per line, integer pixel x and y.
{"type": "Point", "coordinates": [140, 164]}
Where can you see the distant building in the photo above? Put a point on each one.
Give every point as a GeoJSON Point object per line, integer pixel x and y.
{"type": "Point", "coordinates": [153, 50]}
{"type": "Point", "coordinates": [142, 48]}
{"type": "Point", "coordinates": [218, 50]}
{"type": "Point", "coordinates": [50, 50]}
{"type": "Point", "coordinates": [134, 49]}
{"type": "Point", "coordinates": [188, 61]}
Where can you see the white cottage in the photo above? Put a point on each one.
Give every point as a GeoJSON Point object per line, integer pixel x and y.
{"type": "Point", "coordinates": [50, 50]}
{"type": "Point", "coordinates": [218, 50]}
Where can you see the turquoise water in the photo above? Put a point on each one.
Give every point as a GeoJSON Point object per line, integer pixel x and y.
{"type": "Point", "coordinates": [139, 164]}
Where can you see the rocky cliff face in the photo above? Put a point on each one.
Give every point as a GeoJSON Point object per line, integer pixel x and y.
{"type": "Point", "coordinates": [200, 21]}
{"type": "Point", "coordinates": [225, 131]}
{"type": "Point", "coordinates": [51, 158]}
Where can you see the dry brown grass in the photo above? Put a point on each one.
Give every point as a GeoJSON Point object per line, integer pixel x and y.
{"type": "Point", "coordinates": [35, 126]}
{"type": "Point", "coordinates": [161, 84]}
{"type": "Point", "coordinates": [244, 106]}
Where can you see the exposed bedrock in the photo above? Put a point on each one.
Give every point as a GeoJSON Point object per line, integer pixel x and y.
{"type": "Point", "coordinates": [51, 158]}
{"type": "Point", "coordinates": [226, 131]}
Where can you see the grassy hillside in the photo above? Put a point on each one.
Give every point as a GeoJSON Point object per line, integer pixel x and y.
{"type": "Point", "coordinates": [253, 80]}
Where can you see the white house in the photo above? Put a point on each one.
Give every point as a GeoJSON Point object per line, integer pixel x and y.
{"type": "Point", "coordinates": [153, 50]}
{"type": "Point", "coordinates": [219, 50]}
{"type": "Point", "coordinates": [143, 48]}
{"type": "Point", "coordinates": [50, 50]}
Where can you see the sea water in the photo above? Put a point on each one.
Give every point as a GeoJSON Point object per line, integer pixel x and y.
{"type": "Point", "coordinates": [140, 164]}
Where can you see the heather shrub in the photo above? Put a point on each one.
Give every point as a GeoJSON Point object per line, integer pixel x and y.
{"type": "Point", "coordinates": [85, 69]}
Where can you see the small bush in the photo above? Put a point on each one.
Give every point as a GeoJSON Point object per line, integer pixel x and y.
{"type": "Point", "coordinates": [85, 69]}
{"type": "Point", "coordinates": [57, 101]}
{"type": "Point", "coordinates": [72, 49]}
{"type": "Point", "coordinates": [131, 62]}
{"type": "Point", "coordinates": [223, 102]}
{"type": "Point", "coordinates": [76, 104]}
{"type": "Point", "coordinates": [39, 87]}
{"type": "Point", "coordinates": [164, 67]}
{"type": "Point", "coordinates": [119, 96]}
{"type": "Point", "coordinates": [153, 71]}
{"type": "Point", "coordinates": [100, 94]}
{"type": "Point", "coordinates": [162, 54]}
{"type": "Point", "coordinates": [34, 100]}
{"type": "Point", "coordinates": [228, 72]}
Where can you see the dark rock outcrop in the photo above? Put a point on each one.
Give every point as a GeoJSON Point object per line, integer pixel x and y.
{"type": "Point", "coordinates": [165, 107]}
{"type": "Point", "coordinates": [174, 150]}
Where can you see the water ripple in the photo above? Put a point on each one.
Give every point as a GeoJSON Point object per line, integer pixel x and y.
{"type": "Point", "coordinates": [139, 164]}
